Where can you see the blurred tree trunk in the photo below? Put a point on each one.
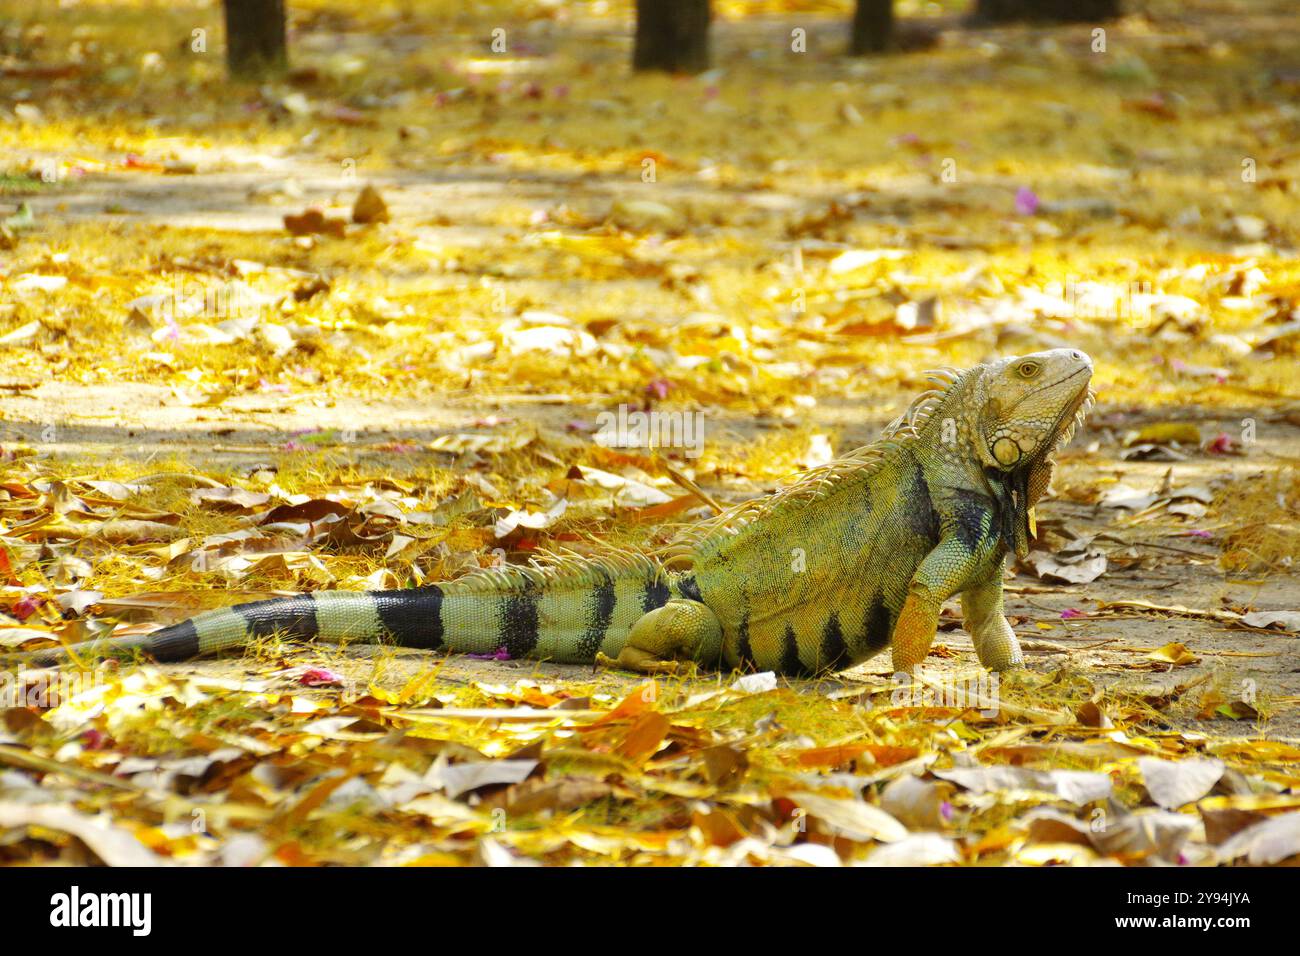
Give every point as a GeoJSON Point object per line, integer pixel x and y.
{"type": "Point", "coordinates": [1064, 11]}
{"type": "Point", "coordinates": [873, 27]}
{"type": "Point", "coordinates": [255, 38]}
{"type": "Point", "coordinates": [672, 35]}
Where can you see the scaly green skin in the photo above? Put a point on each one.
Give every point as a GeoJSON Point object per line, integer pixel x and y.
{"type": "Point", "coordinates": [857, 556]}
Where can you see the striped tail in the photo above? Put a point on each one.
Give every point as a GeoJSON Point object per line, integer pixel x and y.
{"type": "Point", "coordinates": [563, 612]}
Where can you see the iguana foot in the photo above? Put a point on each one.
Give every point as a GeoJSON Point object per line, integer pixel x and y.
{"type": "Point", "coordinates": [996, 646]}
{"type": "Point", "coordinates": [669, 640]}
{"type": "Point", "coordinates": [631, 659]}
{"type": "Point", "coordinates": [1019, 676]}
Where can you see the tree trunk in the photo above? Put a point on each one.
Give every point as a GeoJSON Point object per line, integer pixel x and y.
{"type": "Point", "coordinates": [1061, 11]}
{"type": "Point", "coordinates": [255, 38]}
{"type": "Point", "coordinates": [873, 27]}
{"type": "Point", "coordinates": [672, 35]}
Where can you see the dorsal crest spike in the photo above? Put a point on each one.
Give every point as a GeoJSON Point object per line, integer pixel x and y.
{"type": "Point", "coordinates": [566, 568]}
{"type": "Point", "coordinates": [943, 376]}
{"type": "Point", "coordinates": [923, 406]}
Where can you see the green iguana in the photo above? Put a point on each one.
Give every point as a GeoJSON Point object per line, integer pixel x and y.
{"type": "Point", "coordinates": [857, 555]}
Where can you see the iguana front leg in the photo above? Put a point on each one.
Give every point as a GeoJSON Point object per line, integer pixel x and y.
{"type": "Point", "coordinates": [662, 640]}
{"type": "Point", "coordinates": [986, 622]}
{"type": "Point", "coordinates": [943, 572]}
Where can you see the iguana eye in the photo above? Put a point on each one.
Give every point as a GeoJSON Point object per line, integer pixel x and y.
{"type": "Point", "coordinates": [1028, 369]}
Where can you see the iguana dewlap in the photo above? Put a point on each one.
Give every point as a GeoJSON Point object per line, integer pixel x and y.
{"type": "Point", "coordinates": [857, 555]}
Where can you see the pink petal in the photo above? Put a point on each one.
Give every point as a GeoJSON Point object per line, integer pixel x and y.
{"type": "Point", "coordinates": [659, 388]}
{"type": "Point", "coordinates": [26, 607]}
{"type": "Point", "coordinates": [1026, 201]}
{"type": "Point", "coordinates": [1221, 445]}
{"type": "Point", "coordinates": [320, 677]}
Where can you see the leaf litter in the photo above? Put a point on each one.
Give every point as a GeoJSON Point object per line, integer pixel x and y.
{"type": "Point", "coordinates": [309, 297]}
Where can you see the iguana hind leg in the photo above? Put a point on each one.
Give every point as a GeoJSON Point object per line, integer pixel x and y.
{"type": "Point", "coordinates": [662, 640]}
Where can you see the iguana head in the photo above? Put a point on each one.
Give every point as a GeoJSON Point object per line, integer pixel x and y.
{"type": "Point", "coordinates": [1029, 406]}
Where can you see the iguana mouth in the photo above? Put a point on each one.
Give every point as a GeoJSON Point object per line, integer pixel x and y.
{"type": "Point", "coordinates": [1072, 417]}
{"type": "Point", "coordinates": [1062, 430]}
